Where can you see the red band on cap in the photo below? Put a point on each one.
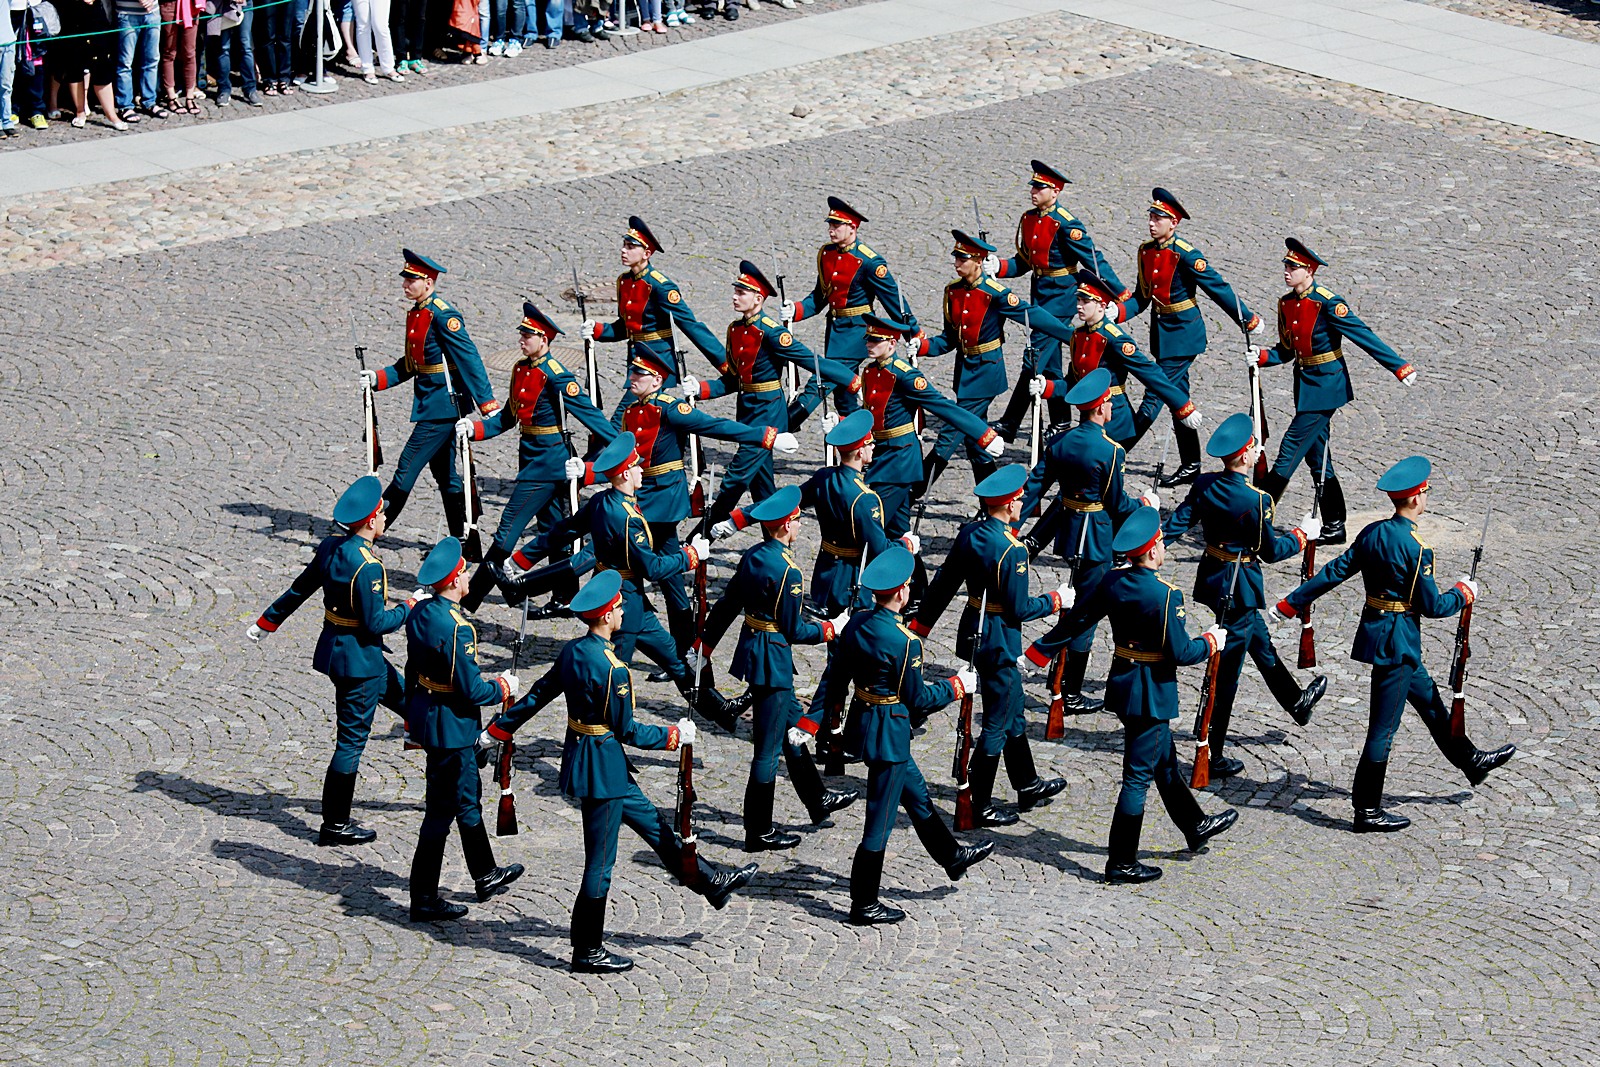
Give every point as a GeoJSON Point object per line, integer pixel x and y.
{"type": "Point", "coordinates": [1402, 494]}
{"type": "Point", "coordinates": [444, 583]}
{"type": "Point", "coordinates": [599, 612]}
{"type": "Point", "coordinates": [628, 461]}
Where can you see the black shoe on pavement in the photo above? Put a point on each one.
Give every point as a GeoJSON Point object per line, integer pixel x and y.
{"type": "Point", "coordinates": [1210, 827]}
{"type": "Point", "coordinates": [435, 909]}
{"type": "Point", "coordinates": [1038, 791]}
{"type": "Point", "coordinates": [1226, 767]}
{"type": "Point", "coordinates": [995, 815]}
{"type": "Point", "coordinates": [497, 880]}
{"type": "Point", "coordinates": [1308, 699]}
{"type": "Point", "coordinates": [725, 883]}
{"type": "Point", "coordinates": [1078, 704]}
{"type": "Point", "coordinates": [875, 914]}
{"type": "Point", "coordinates": [599, 961]}
{"type": "Point", "coordinates": [1482, 763]}
{"type": "Point", "coordinates": [832, 800]}
{"type": "Point", "coordinates": [345, 833]}
{"type": "Point", "coordinates": [1378, 821]}
{"type": "Point", "coordinates": [1131, 873]}
{"type": "Point", "coordinates": [774, 840]}
{"type": "Point", "coordinates": [1182, 476]}
{"type": "Point", "coordinates": [1332, 533]}
{"type": "Point", "coordinates": [965, 857]}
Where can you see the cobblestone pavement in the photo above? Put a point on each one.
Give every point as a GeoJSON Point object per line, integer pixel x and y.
{"type": "Point", "coordinates": [182, 417]}
{"type": "Point", "coordinates": [946, 74]}
{"type": "Point", "coordinates": [440, 75]}
{"type": "Point", "coordinates": [1578, 19]}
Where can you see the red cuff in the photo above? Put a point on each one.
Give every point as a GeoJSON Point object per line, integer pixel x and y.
{"type": "Point", "coordinates": [1115, 309]}
{"type": "Point", "coordinates": [799, 313]}
{"type": "Point", "coordinates": [1049, 388]}
{"type": "Point", "coordinates": [1185, 411]}
{"type": "Point", "coordinates": [522, 561]}
{"type": "Point", "coordinates": [597, 328]}
{"type": "Point", "coordinates": [1254, 323]}
{"type": "Point", "coordinates": [1125, 294]}
{"type": "Point", "coordinates": [490, 406]}
{"type": "Point", "coordinates": [988, 436]}
{"type": "Point", "coordinates": [270, 627]}
{"type": "Point", "coordinates": [1211, 643]}
{"type": "Point", "coordinates": [827, 631]}
{"type": "Point", "coordinates": [922, 347]}
{"type": "Point", "coordinates": [1262, 356]}
{"type": "Point", "coordinates": [477, 431]}
{"type": "Point", "coordinates": [1037, 658]}
{"type": "Point", "coordinates": [1466, 593]}
{"type": "Point", "coordinates": [1287, 609]}
{"type": "Point", "coordinates": [1299, 535]}
{"type": "Point", "coordinates": [1406, 370]}
{"type": "Point", "coordinates": [737, 517]}
{"type": "Point", "coordinates": [808, 726]}
{"type": "Point", "coordinates": [383, 379]}
{"type": "Point", "coordinates": [854, 386]}
{"type": "Point", "coordinates": [704, 392]}
{"type": "Point", "coordinates": [770, 436]}
{"type": "Point", "coordinates": [672, 738]}
{"type": "Point", "coordinates": [1055, 601]}
{"type": "Point", "coordinates": [692, 556]}
{"type": "Point", "coordinates": [499, 733]}
{"type": "Point", "coordinates": [955, 683]}
{"type": "Point", "coordinates": [505, 689]}
{"type": "Point", "coordinates": [588, 473]}
{"type": "Point", "coordinates": [920, 628]}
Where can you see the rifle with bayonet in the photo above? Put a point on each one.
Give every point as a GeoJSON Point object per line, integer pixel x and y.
{"type": "Point", "coordinates": [1055, 727]}
{"type": "Point", "coordinates": [591, 367]}
{"type": "Point", "coordinates": [683, 818]}
{"type": "Point", "coordinates": [1201, 775]}
{"type": "Point", "coordinates": [1458, 666]}
{"type": "Point", "coordinates": [787, 370]}
{"type": "Point", "coordinates": [697, 492]}
{"type": "Point", "coordinates": [961, 769]}
{"type": "Point", "coordinates": [1308, 567]}
{"type": "Point", "coordinates": [472, 503]}
{"type": "Point", "coordinates": [830, 738]}
{"type": "Point", "coordinates": [505, 823]}
{"type": "Point", "coordinates": [369, 407]}
{"type": "Point", "coordinates": [1258, 407]}
{"type": "Point", "coordinates": [705, 678]}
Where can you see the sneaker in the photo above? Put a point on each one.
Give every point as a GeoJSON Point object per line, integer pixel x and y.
{"type": "Point", "coordinates": [686, 19]}
{"type": "Point", "coordinates": [38, 122]}
{"type": "Point", "coordinates": [673, 19]}
{"type": "Point", "coordinates": [225, 99]}
{"type": "Point", "coordinates": [480, 59]}
{"type": "Point", "coordinates": [513, 49]}
{"type": "Point", "coordinates": [370, 77]}
{"type": "Point", "coordinates": [497, 48]}
{"type": "Point", "coordinates": [252, 99]}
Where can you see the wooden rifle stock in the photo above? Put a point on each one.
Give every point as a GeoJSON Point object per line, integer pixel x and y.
{"type": "Point", "coordinates": [369, 406]}
{"type": "Point", "coordinates": [505, 823]}
{"type": "Point", "coordinates": [683, 818]}
{"type": "Point", "coordinates": [966, 818]}
{"type": "Point", "coordinates": [1055, 727]}
{"type": "Point", "coordinates": [1458, 667]}
{"type": "Point", "coordinates": [1308, 632]}
{"type": "Point", "coordinates": [1201, 777]}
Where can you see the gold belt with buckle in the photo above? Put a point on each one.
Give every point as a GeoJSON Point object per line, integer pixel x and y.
{"type": "Point", "coordinates": [339, 620]}
{"type": "Point", "coordinates": [1082, 505]}
{"type": "Point", "coordinates": [435, 687]}
{"type": "Point", "coordinates": [663, 468]}
{"type": "Point", "coordinates": [978, 350]}
{"type": "Point", "coordinates": [1230, 557]}
{"type": "Point", "coordinates": [587, 729]}
{"type": "Point", "coordinates": [898, 431]}
{"type": "Point", "coordinates": [852, 311]}
{"type": "Point", "coordinates": [876, 699]}
{"type": "Point", "coordinates": [1378, 603]}
{"type": "Point", "coordinates": [625, 572]}
{"type": "Point", "coordinates": [1138, 656]}
{"type": "Point", "coordinates": [1173, 309]}
{"type": "Point", "coordinates": [766, 626]}
{"type": "Point", "coordinates": [431, 368]}
{"type": "Point", "coordinates": [653, 335]}
{"type": "Point", "coordinates": [993, 608]}
{"type": "Point", "coordinates": [1317, 359]}
{"type": "Point", "coordinates": [840, 551]}
{"type": "Point", "coordinates": [1060, 272]}
{"type": "Point", "coordinates": [529, 430]}
{"type": "Point", "coordinates": [760, 387]}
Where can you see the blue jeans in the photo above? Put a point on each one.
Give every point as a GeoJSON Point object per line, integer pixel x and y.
{"type": "Point", "coordinates": [8, 70]}
{"type": "Point", "coordinates": [547, 16]}
{"type": "Point", "coordinates": [234, 49]}
{"type": "Point", "coordinates": [138, 41]}
{"type": "Point", "coordinates": [510, 19]}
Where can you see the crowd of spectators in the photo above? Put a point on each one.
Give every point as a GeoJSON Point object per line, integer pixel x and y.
{"type": "Point", "coordinates": [136, 60]}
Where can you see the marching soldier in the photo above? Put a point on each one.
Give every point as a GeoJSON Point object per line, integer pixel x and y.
{"type": "Point", "coordinates": [1098, 342]}
{"type": "Point", "coordinates": [541, 389]}
{"type": "Point", "coordinates": [350, 648]}
{"type": "Point", "coordinates": [895, 391]}
{"type": "Point", "coordinates": [443, 693]}
{"type": "Point", "coordinates": [1152, 642]}
{"type": "Point", "coordinates": [1312, 323]}
{"type": "Point", "coordinates": [1088, 467]}
{"type": "Point", "coordinates": [439, 357]}
{"type": "Point", "coordinates": [595, 770]}
{"type": "Point", "coordinates": [758, 347]}
{"type": "Point", "coordinates": [624, 543]}
{"type": "Point", "coordinates": [993, 564]}
{"type": "Point", "coordinates": [974, 305]}
{"type": "Point", "coordinates": [1171, 272]}
{"type": "Point", "coordinates": [882, 659]}
{"type": "Point", "coordinates": [1236, 519]}
{"type": "Point", "coordinates": [649, 304]}
{"type": "Point", "coordinates": [1396, 566]}
{"type": "Point", "coordinates": [1052, 244]}
{"type": "Point", "coordinates": [850, 277]}
{"type": "Point", "coordinates": [768, 588]}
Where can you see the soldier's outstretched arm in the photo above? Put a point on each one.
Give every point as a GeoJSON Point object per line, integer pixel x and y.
{"type": "Point", "coordinates": [578, 404]}
{"type": "Point", "coordinates": [1087, 611]}
{"type": "Point", "coordinates": [941, 590]}
{"type": "Point", "coordinates": [458, 348]}
{"type": "Point", "coordinates": [542, 692]}
{"type": "Point", "coordinates": [1335, 573]}
{"type": "Point", "coordinates": [1013, 571]}
{"type": "Point", "coordinates": [1037, 318]}
{"type": "Point", "coordinates": [370, 586]}
{"type": "Point", "coordinates": [1427, 599]}
{"type": "Point", "coordinates": [696, 331]}
{"type": "Point", "coordinates": [1155, 379]}
{"type": "Point", "coordinates": [1350, 326]}
{"type": "Point", "coordinates": [1206, 278]}
{"type": "Point", "coordinates": [684, 418]}
{"type": "Point", "coordinates": [1181, 648]}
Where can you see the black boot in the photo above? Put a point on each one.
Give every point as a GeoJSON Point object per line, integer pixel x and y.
{"type": "Point", "coordinates": [1273, 484]}
{"type": "Point", "coordinates": [718, 885]}
{"type": "Point", "coordinates": [721, 507]}
{"type": "Point", "coordinates": [1072, 699]}
{"type": "Point", "coordinates": [980, 776]}
{"type": "Point", "coordinates": [1480, 763]}
{"type": "Point", "coordinates": [394, 499]}
{"type": "Point", "coordinates": [455, 513]}
{"type": "Point", "coordinates": [945, 850]}
{"type": "Point", "coordinates": [820, 801]}
{"type": "Point", "coordinates": [1210, 827]}
{"type": "Point", "coordinates": [1122, 852]}
{"type": "Point", "coordinates": [483, 579]}
{"type": "Point", "coordinates": [488, 879]}
{"type": "Point", "coordinates": [588, 929]}
{"type": "Point", "coordinates": [1366, 794]}
{"type": "Point", "coordinates": [426, 904]}
{"type": "Point", "coordinates": [1185, 474]}
{"type": "Point", "coordinates": [1306, 702]}
{"type": "Point", "coordinates": [866, 876]}
{"type": "Point", "coordinates": [707, 701]}
{"type": "Point", "coordinates": [337, 828]}
{"type": "Point", "coordinates": [1333, 513]}
{"type": "Point", "coordinates": [1188, 442]}
{"type": "Point", "coordinates": [560, 575]}
{"type": "Point", "coordinates": [932, 466]}
{"type": "Point", "coordinates": [759, 833]}
{"type": "Point", "coordinates": [1031, 789]}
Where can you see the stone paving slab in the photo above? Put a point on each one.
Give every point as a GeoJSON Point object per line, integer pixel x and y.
{"type": "Point", "coordinates": [162, 895]}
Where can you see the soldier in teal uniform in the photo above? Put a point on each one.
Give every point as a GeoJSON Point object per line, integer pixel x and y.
{"type": "Point", "coordinates": [355, 616]}
{"type": "Point", "coordinates": [596, 772]}
{"type": "Point", "coordinates": [541, 391]}
{"type": "Point", "coordinates": [1152, 641]}
{"type": "Point", "coordinates": [769, 589]}
{"type": "Point", "coordinates": [1087, 468]}
{"type": "Point", "coordinates": [974, 307]}
{"type": "Point", "coordinates": [850, 278]}
{"type": "Point", "coordinates": [444, 691]}
{"type": "Point", "coordinates": [437, 346]}
{"type": "Point", "coordinates": [1052, 245]}
{"type": "Point", "coordinates": [758, 347]}
{"type": "Point", "coordinates": [649, 306]}
{"type": "Point", "coordinates": [895, 391]}
{"type": "Point", "coordinates": [1396, 567]}
{"type": "Point", "coordinates": [1236, 520]}
{"type": "Point", "coordinates": [1099, 342]}
{"type": "Point", "coordinates": [882, 659]}
{"type": "Point", "coordinates": [1313, 323]}
{"type": "Point", "coordinates": [1172, 272]}
{"type": "Point", "coordinates": [993, 565]}
{"type": "Point", "coordinates": [624, 543]}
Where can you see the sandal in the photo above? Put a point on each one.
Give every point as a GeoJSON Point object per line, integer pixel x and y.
{"type": "Point", "coordinates": [120, 126]}
{"type": "Point", "coordinates": [159, 112]}
{"type": "Point", "coordinates": [285, 89]}
{"type": "Point", "coordinates": [79, 121]}
{"type": "Point", "coordinates": [130, 115]}
{"type": "Point", "coordinates": [269, 90]}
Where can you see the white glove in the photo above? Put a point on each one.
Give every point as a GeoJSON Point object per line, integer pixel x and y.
{"type": "Point", "coordinates": [1311, 526]}
{"type": "Point", "coordinates": [463, 429]}
{"type": "Point", "coordinates": [689, 385]}
{"type": "Point", "coordinates": [829, 421]}
{"type": "Point", "coordinates": [255, 633]}
{"type": "Point", "coordinates": [1025, 666]}
{"type": "Point", "coordinates": [1252, 357]}
{"type": "Point", "coordinates": [995, 447]}
{"type": "Point", "coordinates": [1218, 634]}
{"type": "Point", "coordinates": [700, 546]}
{"type": "Point", "coordinates": [968, 679]}
{"type": "Point", "coordinates": [1470, 583]}
{"type": "Point", "coordinates": [786, 443]}
{"type": "Point", "coordinates": [797, 736]}
{"type": "Point", "coordinates": [1192, 420]}
{"type": "Point", "coordinates": [696, 658]}
{"type": "Point", "coordinates": [1068, 595]}
{"type": "Point", "coordinates": [991, 265]}
{"type": "Point", "coordinates": [513, 683]}
{"type": "Point", "coordinates": [588, 329]}
{"type": "Point", "coordinates": [485, 741]}
{"type": "Point", "coordinates": [420, 595]}
{"type": "Point", "coordinates": [1037, 387]}
{"type": "Point", "coordinates": [913, 544]}
{"type": "Point", "coordinates": [839, 620]}
{"type": "Point", "coordinates": [723, 529]}
{"type": "Point", "coordinates": [369, 379]}
{"type": "Point", "coordinates": [1151, 497]}
{"type": "Point", "coordinates": [685, 732]}
{"type": "Point", "coordinates": [574, 468]}
{"type": "Point", "coordinates": [787, 312]}
{"type": "Point", "coordinates": [1409, 380]}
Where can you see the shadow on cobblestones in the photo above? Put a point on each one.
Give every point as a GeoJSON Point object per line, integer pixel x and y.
{"type": "Point", "coordinates": [274, 808]}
